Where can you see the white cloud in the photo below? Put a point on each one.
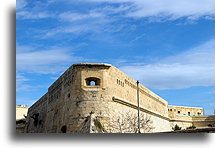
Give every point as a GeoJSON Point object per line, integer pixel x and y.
{"type": "Point", "coordinates": [45, 61]}
{"type": "Point", "coordinates": [192, 68]}
{"type": "Point", "coordinates": [87, 23]}
{"type": "Point", "coordinates": [74, 29]}
{"type": "Point", "coordinates": [20, 4]}
{"type": "Point", "coordinates": [21, 83]}
{"type": "Point", "coordinates": [167, 9]}
{"type": "Point", "coordinates": [69, 16]}
{"type": "Point", "coordinates": [33, 15]}
{"type": "Point", "coordinates": [20, 78]}
{"type": "Point", "coordinates": [155, 10]}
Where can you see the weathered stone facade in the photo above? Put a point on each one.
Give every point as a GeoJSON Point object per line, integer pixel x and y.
{"type": "Point", "coordinates": [21, 114]}
{"type": "Point", "coordinates": [87, 96]}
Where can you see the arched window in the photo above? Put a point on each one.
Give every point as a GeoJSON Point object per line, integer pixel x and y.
{"type": "Point", "coordinates": [92, 81]}
{"type": "Point", "coordinates": [63, 129]}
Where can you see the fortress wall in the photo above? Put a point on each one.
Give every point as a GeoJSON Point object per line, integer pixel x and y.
{"type": "Point", "coordinates": [119, 109]}
{"type": "Point", "coordinates": [181, 123]}
{"type": "Point", "coordinates": [125, 87]}
{"type": "Point", "coordinates": [174, 111]}
{"type": "Point", "coordinates": [37, 114]}
{"type": "Point", "coordinates": [204, 121]}
{"type": "Point", "coordinates": [63, 104]}
{"type": "Point", "coordinates": [197, 121]}
{"type": "Point", "coordinates": [160, 125]}
{"type": "Point", "coordinates": [99, 99]}
{"type": "Point", "coordinates": [94, 99]}
{"type": "Point", "coordinates": [70, 101]}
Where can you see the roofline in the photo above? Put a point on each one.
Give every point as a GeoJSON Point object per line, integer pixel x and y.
{"type": "Point", "coordinates": [92, 64]}
{"type": "Point", "coordinates": [185, 106]}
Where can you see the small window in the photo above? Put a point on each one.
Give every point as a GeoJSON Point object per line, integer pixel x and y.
{"type": "Point", "coordinates": [179, 112]}
{"type": "Point", "coordinates": [189, 113]}
{"type": "Point", "coordinates": [170, 109]}
{"type": "Point", "coordinates": [199, 113]}
{"type": "Point", "coordinates": [63, 129]}
{"type": "Point", "coordinates": [92, 81]}
{"type": "Point", "coordinates": [210, 125]}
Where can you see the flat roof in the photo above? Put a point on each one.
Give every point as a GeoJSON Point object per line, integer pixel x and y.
{"type": "Point", "coordinates": [185, 106]}
{"type": "Point", "coordinates": [92, 64]}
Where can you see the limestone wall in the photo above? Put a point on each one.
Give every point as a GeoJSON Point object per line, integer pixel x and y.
{"type": "Point", "coordinates": [204, 121]}
{"type": "Point", "coordinates": [21, 112]}
{"type": "Point", "coordinates": [101, 91]}
{"type": "Point", "coordinates": [185, 121]}
{"type": "Point", "coordinates": [114, 83]}
{"type": "Point", "coordinates": [125, 87]}
{"type": "Point", "coordinates": [37, 113]}
{"type": "Point", "coordinates": [70, 100]}
{"type": "Point", "coordinates": [173, 111]}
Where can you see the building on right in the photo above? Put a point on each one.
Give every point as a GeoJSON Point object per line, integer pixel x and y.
{"type": "Point", "coordinates": [189, 116]}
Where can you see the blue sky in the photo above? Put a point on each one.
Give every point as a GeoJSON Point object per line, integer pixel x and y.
{"type": "Point", "coordinates": [167, 45]}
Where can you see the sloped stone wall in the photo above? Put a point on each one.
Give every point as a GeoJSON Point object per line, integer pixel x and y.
{"type": "Point", "coordinates": [71, 100]}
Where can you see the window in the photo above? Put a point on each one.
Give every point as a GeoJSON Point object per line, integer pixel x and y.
{"type": "Point", "coordinates": [189, 113]}
{"type": "Point", "coordinates": [119, 82]}
{"type": "Point", "coordinates": [199, 113]}
{"type": "Point", "coordinates": [63, 129]}
{"type": "Point", "coordinates": [210, 125]}
{"type": "Point", "coordinates": [92, 81]}
{"type": "Point", "coordinates": [170, 109]}
{"type": "Point", "coordinates": [179, 112]}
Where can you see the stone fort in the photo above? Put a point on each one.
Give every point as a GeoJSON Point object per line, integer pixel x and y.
{"type": "Point", "coordinates": [87, 96]}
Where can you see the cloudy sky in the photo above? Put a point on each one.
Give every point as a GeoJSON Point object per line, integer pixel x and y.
{"type": "Point", "coordinates": [168, 45]}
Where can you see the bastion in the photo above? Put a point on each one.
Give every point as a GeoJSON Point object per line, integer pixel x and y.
{"type": "Point", "coordinates": [88, 96]}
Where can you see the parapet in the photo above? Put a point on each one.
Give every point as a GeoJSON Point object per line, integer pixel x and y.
{"type": "Point", "coordinates": [92, 65]}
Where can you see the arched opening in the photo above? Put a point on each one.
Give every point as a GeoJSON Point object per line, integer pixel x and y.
{"type": "Point", "coordinates": [92, 81]}
{"type": "Point", "coordinates": [210, 125]}
{"type": "Point", "coordinates": [63, 129]}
